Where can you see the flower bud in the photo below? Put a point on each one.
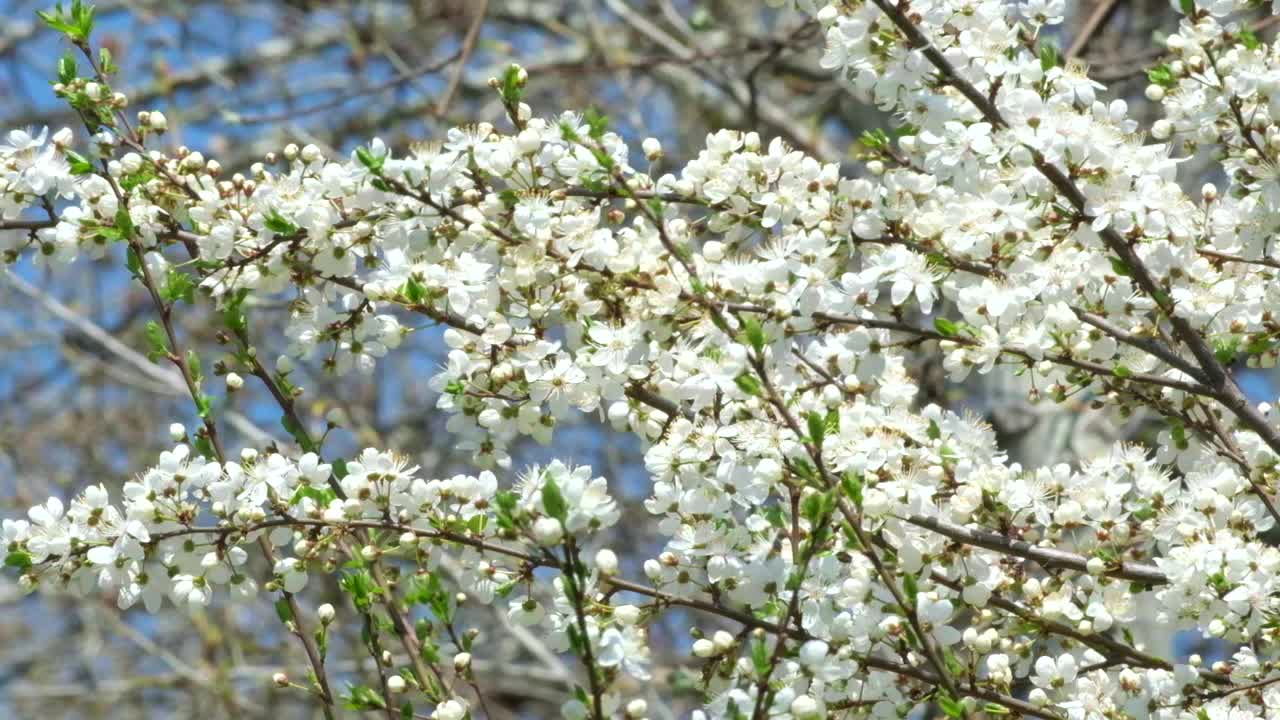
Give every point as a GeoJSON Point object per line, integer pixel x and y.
{"type": "Point", "coordinates": [450, 710]}
{"type": "Point", "coordinates": [326, 613]}
{"type": "Point", "coordinates": [177, 432]}
{"type": "Point", "coordinates": [1155, 93]}
{"type": "Point", "coordinates": [722, 640]}
{"type": "Point", "coordinates": [652, 148]}
{"type": "Point", "coordinates": [548, 531]}
{"type": "Point", "coordinates": [704, 648]}
{"type": "Point", "coordinates": [713, 251]}
{"type": "Point", "coordinates": [607, 562]}
{"type": "Point", "coordinates": [804, 707]}
{"type": "Point", "coordinates": [462, 661]}
{"type": "Point", "coordinates": [637, 708]}
{"type": "Point", "coordinates": [626, 615]}
{"type": "Point", "coordinates": [280, 679]}
{"type": "Point", "coordinates": [395, 684]}
{"type": "Point", "coordinates": [529, 141]}
{"type": "Point", "coordinates": [234, 382]}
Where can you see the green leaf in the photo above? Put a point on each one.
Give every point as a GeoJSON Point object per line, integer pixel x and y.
{"type": "Point", "coordinates": [283, 611]}
{"type": "Point", "coordinates": [1161, 75]}
{"type": "Point", "coordinates": [413, 291]}
{"type": "Point", "coordinates": [134, 263]}
{"type": "Point", "coordinates": [946, 327]}
{"type": "Point", "coordinates": [760, 657]}
{"type": "Point", "coordinates": [874, 139]}
{"type": "Point", "coordinates": [360, 586]}
{"type": "Point", "coordinates": [105, 62]}
{"type": "Point", "coordinates": [295, 430]}
{"type": "Point", "coordinates": [1122, 371]}
{"type": "Point", "coordinates": [775, 516]}
{"type": "Point", "coordinates": [912, 587]}
{"type": "Point", "coordinates": [1048, 57]}
{"type": "Point", "coordinates": [1188, 7]}
{"type": "Point", "coordinates": [1249, 39]}
{"type": "Point", "coordinates": [371, 162]}
{"type": "Point", "coordinates": [82, 16]}
{"type": "Point", "coordinates": [193, 366]}
{"type": "Point", "coordinates": [852, 485]}
{"type": "Point", "coordinates": [76, 25]}
{"type": "Point", "coordinates": [321, 496]}
{"type": "Point", "coordinates": [80, 165]}
{"type": "Point", "coordinates": [17, 559]}
{"type": "Point", "coordinates": [278, 224]}
{"type": "Point", "coordinates": [204, 406]}
{"type": "Point", "coordinates": [506, 502]}
{"type": "Point", "coordinates": [322, 640]}
{"type": "Point", "coordinates": [1225, 349]}
{"type": "Point", "coordinates": [597, 123]}
{"type": "Point", "coordinates": [949, 705]}
{"type": "Point", "coordinates": [178, 286]}
{"type": "Point", "coordinates": [232, 314]}
{"type": "Point", "coordinates": [748, 384]}
{"type": "Point", "coordinates": [512, 88]}
{"type": "Point", "coordinates": [553, 502]}
{"type": "Point", "coordinates": [813, 508]}
{"type": "Point", "coordinates": [157, 341]}
{"type": "Point", "coordinates": [817, 428]}
{"type": "Point", "coordinates": [205, 448]}
{"type": "Point", "coordinates": [124, 223]}
{"type": "Point", "coordinates": [67, 69]}
{"type": "Point", "coordinates": [363, 697]}
{"type": "Point", "coordinates": [934, 432]}
{"type": "Point", "coordinates": [1120, 267]}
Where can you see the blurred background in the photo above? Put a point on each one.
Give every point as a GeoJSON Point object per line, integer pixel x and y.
{"type": "Point", "coordinates": [79, 405]}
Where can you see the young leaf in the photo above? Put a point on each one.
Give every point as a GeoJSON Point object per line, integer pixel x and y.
{"type": "Point", "coordinates": [1048, 57]}
{"type": "Point", "coordinates": [553, 502]}
{"type": "Point", "coordinates": [945, 327]}
{"type": "Point", "coordinates": [817, 428]}
{"type": "Point", "coordinates": [283, 611]}
{"type": "Point", "coordinates": [363, 697]}
{"type": "Point", "coordinates": [156, 340]}
{"type": "Point", "coordinates": [17, 559]}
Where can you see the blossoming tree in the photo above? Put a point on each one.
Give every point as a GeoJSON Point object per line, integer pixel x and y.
{"type": "Point", "coordinates": [746, 316]}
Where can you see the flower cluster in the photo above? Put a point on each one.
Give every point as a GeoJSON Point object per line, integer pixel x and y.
{"type": "Point", "coordinates": [748, 318]}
